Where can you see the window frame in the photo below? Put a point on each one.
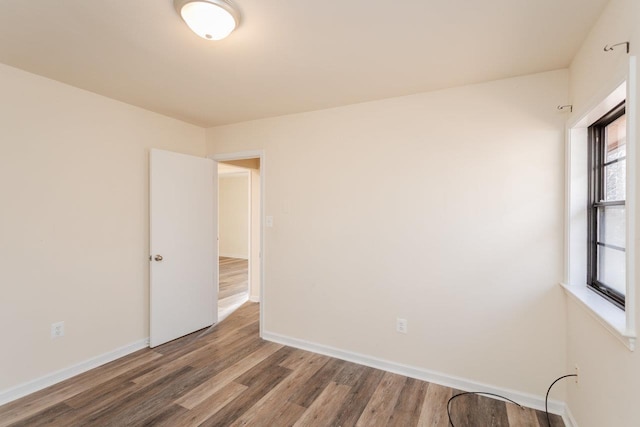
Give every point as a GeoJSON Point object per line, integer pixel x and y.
{"type": "Point", "coordinates": [596, 200]}
{"type": "Point", "coordinates": [621, 324]}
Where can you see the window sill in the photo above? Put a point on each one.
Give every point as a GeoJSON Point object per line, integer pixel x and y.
{"type": "Point", "coordinates": [608, 315]}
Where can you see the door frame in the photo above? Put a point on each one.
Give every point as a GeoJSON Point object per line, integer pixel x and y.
{"type": "Point", "coordinates": [244, 155]}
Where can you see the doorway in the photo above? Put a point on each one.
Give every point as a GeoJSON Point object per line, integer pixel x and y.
{"type": "Point", "coordinates": [239, 233]}
{"type": "Point", "coordinates": [234, 205]}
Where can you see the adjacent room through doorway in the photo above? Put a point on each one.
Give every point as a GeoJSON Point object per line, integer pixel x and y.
{"type": "Point", "coordinates": [238, 234]}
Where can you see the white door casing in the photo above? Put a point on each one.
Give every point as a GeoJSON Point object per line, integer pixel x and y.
{"type": "Point", "coordinates": [183, 232]}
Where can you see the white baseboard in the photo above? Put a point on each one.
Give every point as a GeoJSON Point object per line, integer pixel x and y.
{"type": "Point", "coordinates": [525, 399]}
{"type": "Point", "coordinates": [29, 387]}
{"type": "Point", "coordinates": [254, 298]}
{"type": "Point", "coordinates": [568, 419]}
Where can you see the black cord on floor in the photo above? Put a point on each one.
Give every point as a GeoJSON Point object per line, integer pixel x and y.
{"type": "Point", "coordinates": [546, 399]}
{"type": "Point", "coordinates": [478, 393]}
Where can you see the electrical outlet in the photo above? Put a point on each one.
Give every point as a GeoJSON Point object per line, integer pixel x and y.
{"type": "Point", "coordinates": [577, 372]}
{"type": "Point", "coordinates": [401, 325]}
{"type": "Point", "coordinates": [57, 330]}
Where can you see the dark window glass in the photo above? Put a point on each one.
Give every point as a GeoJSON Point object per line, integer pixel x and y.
{"type": "Point", "coordinates": [607, 193]}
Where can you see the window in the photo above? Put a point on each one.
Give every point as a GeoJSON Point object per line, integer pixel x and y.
{"type": "Point", "coordinates": [606, 234]}
{"type": "Point", "coordinates": [599, 241]}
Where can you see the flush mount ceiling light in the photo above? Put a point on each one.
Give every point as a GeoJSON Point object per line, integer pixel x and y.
{"type": "Point", "coordinates": [210, 19]}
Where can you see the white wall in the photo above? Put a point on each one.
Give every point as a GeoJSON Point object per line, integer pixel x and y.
{"type": "Point", "coordinates": [445, 208]}
{"type": "Point", "coordinates": [609, 386]}
{"type": "Point", "coordinates": [74, 221]}
{"type": "Point", "coordinates": [233, 207]}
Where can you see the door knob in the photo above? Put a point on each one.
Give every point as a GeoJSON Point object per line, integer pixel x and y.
{"type": "Point", "coordinates": [158, 258]}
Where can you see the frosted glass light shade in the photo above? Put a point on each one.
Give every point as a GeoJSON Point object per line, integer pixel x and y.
{"type": "Point", "coordinates": [210, 19]}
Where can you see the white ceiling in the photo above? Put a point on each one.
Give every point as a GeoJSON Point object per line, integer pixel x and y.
{"type": "Point", "coordinates": [288, 55]}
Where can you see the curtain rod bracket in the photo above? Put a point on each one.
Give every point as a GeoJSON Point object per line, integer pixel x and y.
{"type": "Point", "coordinates": [608, 48]}
{"type": "Point", "coordinates": [563, 107]}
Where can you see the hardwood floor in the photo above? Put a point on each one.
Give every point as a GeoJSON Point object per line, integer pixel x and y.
{"type": "Point", "coordinates": [233, 290]}
{"type": "Point", "coordinates": [227, 376]}
{"type": "Point", "coordinates": [234, 277]}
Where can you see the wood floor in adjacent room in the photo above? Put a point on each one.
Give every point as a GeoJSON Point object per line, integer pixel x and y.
{"type": "Point", "coordinates": [228, 376]}
{"type": "Point", "coordinates": [233, 277]}
{"type": "Point", "coordinates": [233, 285]}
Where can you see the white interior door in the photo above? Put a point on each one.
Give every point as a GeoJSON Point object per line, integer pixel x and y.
{"type": "Point", "coordinates": [184, 248]}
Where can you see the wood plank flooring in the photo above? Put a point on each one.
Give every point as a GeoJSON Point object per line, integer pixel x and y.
{"type": "Point", "coordinates": [234, 277]}
{"type": "Point", "coordinates": [233, 285]}
{"type": "Point", "coordinates": [227, 376]}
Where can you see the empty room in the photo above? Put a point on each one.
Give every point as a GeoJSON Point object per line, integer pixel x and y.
{"type": "Point", "coordinates": [437, 213]}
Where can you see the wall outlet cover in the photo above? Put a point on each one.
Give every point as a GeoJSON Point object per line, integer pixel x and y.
{"type": "Point", "coordinates": [401, 325]}
{"type": "Point", "coordinates": [57, 330]}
